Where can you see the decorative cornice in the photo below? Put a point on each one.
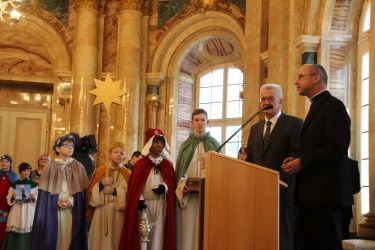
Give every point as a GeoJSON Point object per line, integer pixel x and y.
{"type": "Point", "coordinates": [94, 4]}
{"type": "Point", "coordinates": [131, 5]}
{"type": "Point", "coordinates": [306, 43]}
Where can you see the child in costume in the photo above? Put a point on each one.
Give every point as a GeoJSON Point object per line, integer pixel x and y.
{"type": "Point", "coordinates": [21, 216]}
{"type": "Point", "coordinates": [115, 187]}
{"type": "Point", "coordinates": [151, 187]}
{"type": "Point", "coordinates": [7, 176]}
{"type": "Point", "coordinates": [61, 206]}
{"type": "Point", "coordinates": [189, 164]}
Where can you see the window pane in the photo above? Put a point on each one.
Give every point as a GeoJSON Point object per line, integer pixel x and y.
{"type": "Point", "coordinates": [365, 65]}
{"type": "Point", "coordinates": [365, 92]}
{"type": "Point", "coordinates": [205, 95]}
{"type": "Point", "coordinates": [216, 111]}
{"type": "Point", "coordinates": [233, 92]}
{"type": "Point", "coordinates": [366, 21]}
{"type": "Point", "coordinates": [205, 81]}
{"type": "Point", "coordinates": [234, 109]}
{"type": "Point", "coordinates": [231, 130]}
{"type": "Point", "coordinates": [207, 107]}
{"type": "Point", "coordinates": [215, 133]}
{"type": "Point", "coordinates": [365, 206]}
{"type": "Point", "coordinates": [235, 76]}
{"type": "Point", "coordinates": [364, 118]}
{"type": "Point", "coordinates": [217, 94]}
{"type": "Point", "coordinates": [365, 203]}
{"type": "Point", "coordinates": [364, 173]}
{"type": "Point", "coordinates": [217, 77]}
{"type": "Point", "coordinates": [364, 145]}
{"type": "Point", "coordinates": [231, 149]}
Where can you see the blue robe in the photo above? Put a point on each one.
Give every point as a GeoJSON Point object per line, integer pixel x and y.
{"type": "Point", "coordinates": [45, 226]}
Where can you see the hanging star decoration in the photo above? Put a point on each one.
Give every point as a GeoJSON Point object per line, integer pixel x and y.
{"type": "Point", "coordinates": [107, 92]}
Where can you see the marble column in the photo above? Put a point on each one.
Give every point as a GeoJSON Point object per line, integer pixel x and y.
{"type": "Point", "coordinates": [128, 70]}
{"type": "Point", "coordinates": [255, 42]}
{"type": "Point", "coordinates": [153, 80]}
{"type": "Point", "coordinates": [367, 228]}
{"type": "Point", "coordinates": [278, 46]}
{"type": "Point", "coordinates": [108, 32]}
{"type": "Point", "coordinates": [84, 114]}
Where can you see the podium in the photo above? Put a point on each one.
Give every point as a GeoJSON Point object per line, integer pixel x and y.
{"type": "Point", "coordinates": [240, 205]}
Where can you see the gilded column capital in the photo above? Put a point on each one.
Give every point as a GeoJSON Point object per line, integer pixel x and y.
{"type": "Point", "coordinates": [154, 78]}
{"type": "Point", "coordinates": [132, 5]}
{"type": "Point", "coordinates": [306, 43]}
{"type": "Point", "coordinates": [94, 4]}
{"type": "Point", "coordinates": [152, 100]}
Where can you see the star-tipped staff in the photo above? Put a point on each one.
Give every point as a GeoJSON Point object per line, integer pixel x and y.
{"type": "Point", "coordinates": [107, 92]}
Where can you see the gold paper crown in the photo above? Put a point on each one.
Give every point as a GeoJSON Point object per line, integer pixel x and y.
{"type": "Point", "coordinates": [117, 144]}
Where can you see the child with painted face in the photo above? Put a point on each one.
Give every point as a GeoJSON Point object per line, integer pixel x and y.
{"type": "Point", "coordinates": [61, 205]}
{"type": "Point", "coordinates": [21, 216]}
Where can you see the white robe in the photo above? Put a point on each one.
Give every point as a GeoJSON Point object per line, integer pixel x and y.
{"type": "Point", "coordinates": [156, 208]}
{"type": "Point", "coordinates": [116, 206]}
{"type": "Point", "coordinates": [190, 203]}
{"type": "Point", "coordinates": [65, 219]}
{"type": "Point", "coordinates": [21, 216]}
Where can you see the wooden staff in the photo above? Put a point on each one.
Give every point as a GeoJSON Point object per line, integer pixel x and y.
{"type": "Point", "coordinates": [107, 174]}
{"type": "Point", "coordinates": [107, 92]}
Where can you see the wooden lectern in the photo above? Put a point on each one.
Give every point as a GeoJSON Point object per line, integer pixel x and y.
{"type": "Point", "coordinates": [240, 205]}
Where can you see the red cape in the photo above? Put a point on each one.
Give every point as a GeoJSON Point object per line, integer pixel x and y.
{"type": "Point", "coordinates": [130, 233]}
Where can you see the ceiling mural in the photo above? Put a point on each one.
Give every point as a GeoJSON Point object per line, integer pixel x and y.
{"type": "Point", "coordinates": [58, 8]}
{"type": "Point", "coordinates": [168, 9]}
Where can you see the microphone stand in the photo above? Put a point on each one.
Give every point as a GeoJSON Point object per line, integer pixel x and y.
{"type": "Point", "coordinates": [238, 130]}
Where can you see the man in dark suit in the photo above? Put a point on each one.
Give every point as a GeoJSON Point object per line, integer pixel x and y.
{"type": "Point", "coordinates": [269, 149]}
{"type": "Point", "coordinates": [323, 183]}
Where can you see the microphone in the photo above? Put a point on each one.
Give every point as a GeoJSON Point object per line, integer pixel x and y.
{"type": "Point", "coordinates": [243, 125]}
{"type": "Point", "coordinates": [267, 107]}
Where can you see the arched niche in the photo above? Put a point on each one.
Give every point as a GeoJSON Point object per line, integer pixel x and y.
{"type": "Point", "coordinates": [173, 48]}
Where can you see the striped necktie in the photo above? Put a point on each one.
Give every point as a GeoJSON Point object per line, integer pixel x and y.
{"type": "Point", "coordinates": [268, 131]}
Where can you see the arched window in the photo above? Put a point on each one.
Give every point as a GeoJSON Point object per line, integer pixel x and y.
{"type": "Point", "coordinates": [363, 97]}
{"type": "Point", "coordinates": [218, 93]}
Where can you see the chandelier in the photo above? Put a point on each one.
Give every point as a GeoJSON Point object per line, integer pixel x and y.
{"type": "Point", "coordinates": [8, 11]}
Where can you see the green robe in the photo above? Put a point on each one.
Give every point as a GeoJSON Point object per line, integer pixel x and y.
{"type": "Point", "coordinates": [186, 152]}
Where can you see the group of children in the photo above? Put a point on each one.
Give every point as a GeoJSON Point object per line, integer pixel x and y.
{"type": "Point", "coordinates": [64, 198]}
{"type": "Point", "coordinates": [20, 194]}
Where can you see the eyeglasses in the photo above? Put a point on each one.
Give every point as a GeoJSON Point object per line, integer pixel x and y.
{"type": "Point", "coordinates": [68, 145]}
{"type": "Point", "coordinates": [269, 99]}
{"type": "Point", "coordinates": [299, 77]}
